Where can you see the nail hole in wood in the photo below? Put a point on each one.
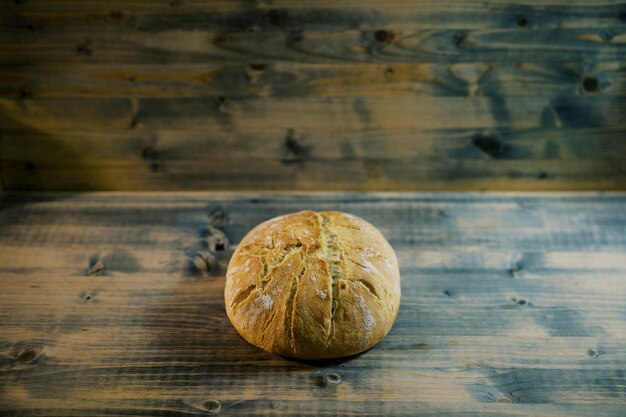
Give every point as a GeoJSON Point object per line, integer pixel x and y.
{"type": "Point", "coordinates": [590, 84]}
{"type": "Point", "coordinates": [333, 378]}
{"type": "Point", "coordinates": [329, 379]}
{"type": "Point", "coordinates": [383, 36]}
{"type": "Point", "coordinates": [292, 145]}
{"type": "Point", "coordinates": [522, 21]}
{"type": "Point", "coordinates": [149, 152]}
{"type": "Point", "coordinates": [28, 26]}
{"type": "Point", "coordinates": [459, 39]}
{"type": "Point", "coordinates": [26, 355]}
{"type": "Point", "coordinates": [96, 269]}
{"type": "Point", "coordinates": [212, 406]}
{"type": "Point", "coordinates": [295, 152]}
{"type": "Point", "coordinates": [84, 48]}
{"type": "Point", "coordinates": [276, 17]}
{"type": "Point", "coordinates": [25, 94]}
{"type": "Point", "coordinates": [490, 145]}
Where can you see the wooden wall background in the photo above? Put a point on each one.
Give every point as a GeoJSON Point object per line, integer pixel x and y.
{"type": "Point", "coordinates": [304, 94]}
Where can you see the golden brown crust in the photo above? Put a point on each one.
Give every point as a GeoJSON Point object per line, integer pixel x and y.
{"type": "Point", "coordinates": [313, 285]}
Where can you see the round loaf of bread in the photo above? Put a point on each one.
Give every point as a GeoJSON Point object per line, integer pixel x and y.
{"type": "Point", "coordinates": [313, 285]}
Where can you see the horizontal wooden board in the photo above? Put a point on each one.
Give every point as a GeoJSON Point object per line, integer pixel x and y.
{"type": "Point", "coordinates": [287, 79]}
{"type": "Point", "coordinates": [316, 15]}
{"type": "Point", "coordinates": [349, 46]}
{"type": "Point", "coordinates": [265, 115]}
{"type": "Point", "coordinates": [512, 304]}
{"type": "Point", "coordinates": [272, 174]}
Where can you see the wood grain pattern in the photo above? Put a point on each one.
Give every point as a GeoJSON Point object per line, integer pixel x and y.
{"type": "Point", "coordinates": [512, 304]}
{"type": "Point", "coordinates": [293, 79]}
{"type": "Point", "coordinates": [198, 86]}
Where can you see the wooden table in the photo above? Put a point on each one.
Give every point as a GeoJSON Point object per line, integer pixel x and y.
{"type": "Point", "coordinates": [512, 304]}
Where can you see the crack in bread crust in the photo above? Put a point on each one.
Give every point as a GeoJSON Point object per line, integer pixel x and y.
{"type": "Point", "coordinates": [267, 324]}
{"type": "Point", "coordinates": [331, 255]}
{"type": "Point", "coordinates": [266, 274]}
{"type": "Point", "coordinates": [242, 296]}
{"type": "Point", "coordinates": [369, 287]}
{"type": "Point", "coordinates": [290, 307]}
{"type": "Point", "coordinates": [363, 282]}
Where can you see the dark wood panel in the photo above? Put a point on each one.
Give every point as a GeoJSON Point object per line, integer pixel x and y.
{"type": "Point", "coordinates": [268, 95]}
{"type": "Point", "coordinates": [153, 16]}
{"type": "Point", "coordinates": [351, 32]}
{"type": "Point", "coordinates": [286, 79]}
{"type": "Point", "coordinates": [320, 175]}
{"type": "Point", "coordinates": [340, 114]}
{"type": "Point", "coordinates": [299, 146]}
{"type": "Point", "coordinates": [512, 304]}
{"type": "Point", "coordinates": [349, 46]}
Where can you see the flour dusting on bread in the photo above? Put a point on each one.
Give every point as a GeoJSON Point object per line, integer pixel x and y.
{"type": "Point", "coordinates": [368, 320]}
{"type": "Point", "coordinates": [266, 301]}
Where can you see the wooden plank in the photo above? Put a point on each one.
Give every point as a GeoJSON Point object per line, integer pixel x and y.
{"type": "Point", "coordinates": [315, 15]}
{"type": "Point", "coordinates": [343, 32]}
{"type": "Point", "coordinates": [506, 299]}
{"type": "Point", "coordinates": [286, 79]}
{"type": "Point", "coordinates": [560, 143]}
{"type": "Point", "coordinates": [560, 154]}
{"type": "Point", "coordinates": [402, 5]}
{"type": "Point", "coordinates": [349, 46]}
{"type": "Point", "coordinates": [263, 115]}
{"type": "Point", "coordinates": [241, 174]}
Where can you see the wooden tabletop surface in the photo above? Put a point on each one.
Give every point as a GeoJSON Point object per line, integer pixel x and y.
{"type": "Point", "coordinates": [512, 304]}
